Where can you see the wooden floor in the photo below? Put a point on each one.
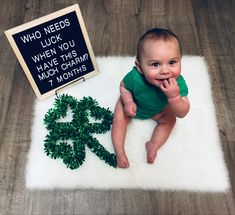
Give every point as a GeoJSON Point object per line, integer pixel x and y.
{"type": "Point", "coordinates": [206, 27]}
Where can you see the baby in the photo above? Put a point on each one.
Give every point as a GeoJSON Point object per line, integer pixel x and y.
{"type": "Point", "coordinates": [153, 89]}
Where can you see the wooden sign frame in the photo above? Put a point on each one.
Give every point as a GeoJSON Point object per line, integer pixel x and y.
{"type": "Point", "coordinates": [56, 27]}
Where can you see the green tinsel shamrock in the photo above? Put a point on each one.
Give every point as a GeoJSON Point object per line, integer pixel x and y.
{"type": "Point", "coordinates": [79, 131]}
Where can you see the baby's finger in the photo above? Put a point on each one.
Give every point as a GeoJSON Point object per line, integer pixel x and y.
{"type": "Point", "coordinates": [134, 109]}
{"type": "Point", "coordinates": [172, 81]}
{"type": "Point", "coordinates": [133, 112]}
{"type": "Point", "coordinates": [166, 83]}
{"type": "Point", "coordinates": [163, 88]}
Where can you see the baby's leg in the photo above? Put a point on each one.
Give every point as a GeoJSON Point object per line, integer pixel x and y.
{"type": "Point", "coordinates": [119, 127]}
{"type": "Point", "coordinates": [166, 121]}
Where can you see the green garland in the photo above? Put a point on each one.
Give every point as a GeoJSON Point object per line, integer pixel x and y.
{"type": "Point", "coordinates": [79, 130]}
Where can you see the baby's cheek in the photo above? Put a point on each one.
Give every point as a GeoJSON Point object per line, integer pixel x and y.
{"type": "Point", "coordinates": [177, 73]}
{"type": "Point", "coordinates": [150, 78]}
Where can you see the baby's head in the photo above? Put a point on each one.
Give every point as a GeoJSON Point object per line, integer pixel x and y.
{"type": "Point", "coordinates": [154, 35]}
{"type": "Point", "coordinates": [159, 56]}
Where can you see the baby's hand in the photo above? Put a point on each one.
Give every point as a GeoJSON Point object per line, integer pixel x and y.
{"type": "Point", "coordinates": [130, 109]}
{"type": "Point", "coordinates": [170, 88]}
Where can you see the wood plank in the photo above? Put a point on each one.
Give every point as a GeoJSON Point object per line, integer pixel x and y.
{"type": "Point", "coordinates": [174, 15]}
{"type": "Point", "coordinates": [8, 19]}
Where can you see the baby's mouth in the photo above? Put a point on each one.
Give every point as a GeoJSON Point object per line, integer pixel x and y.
{"type": "Point", "coordinates": [162, 79]}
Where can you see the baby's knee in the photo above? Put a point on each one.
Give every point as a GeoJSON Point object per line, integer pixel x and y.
{"type": "Point", "coordinates": [120, 118]}
{"type": "Point", "coordinates": [171, 119]}
{"type": "Point", "coordinates": [168, 119]}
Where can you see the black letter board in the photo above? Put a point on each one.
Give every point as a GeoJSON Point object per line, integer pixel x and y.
{"type": "Point", "coordinates": [54, 51]}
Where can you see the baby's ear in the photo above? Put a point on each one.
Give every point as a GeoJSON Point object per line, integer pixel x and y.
{"type": "Point", "coordinates": [138, 67]}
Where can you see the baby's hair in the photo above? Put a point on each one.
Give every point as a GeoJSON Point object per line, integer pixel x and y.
{"type": "Point", "coordinates": [155, 34]}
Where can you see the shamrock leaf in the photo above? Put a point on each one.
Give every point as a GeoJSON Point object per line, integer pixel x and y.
{"type": "Point", "coordinates": [78, 131]}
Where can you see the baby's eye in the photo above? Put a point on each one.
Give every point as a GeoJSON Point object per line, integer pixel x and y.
{"type": "Point", "coordinates": [156, 64]}
{"type": "Point", "coordinates": [172, 62]}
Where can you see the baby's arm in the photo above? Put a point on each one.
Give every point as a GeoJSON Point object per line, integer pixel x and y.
{"type": "Point", "coordinates": [179, 105]}
{"type": "Point", "coordinates": [127, 100]}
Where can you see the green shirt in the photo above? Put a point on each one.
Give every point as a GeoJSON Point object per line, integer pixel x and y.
{"type": "Point", "coordinates": [150, 100]}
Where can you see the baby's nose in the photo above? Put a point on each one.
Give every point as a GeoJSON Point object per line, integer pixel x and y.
{"type": "Point", "coordinates": [165, 71]}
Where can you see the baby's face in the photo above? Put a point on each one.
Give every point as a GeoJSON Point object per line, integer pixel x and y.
{"type": "Point", "coordinates": [160, 60]}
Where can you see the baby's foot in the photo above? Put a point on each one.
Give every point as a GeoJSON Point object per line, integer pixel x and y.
{"type": "Point", "coordinates": [122, 160]}
{"type": "Point", "coordinates": [151, 149]}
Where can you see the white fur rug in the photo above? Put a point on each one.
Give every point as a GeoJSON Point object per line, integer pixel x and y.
{"type": "Point", "coordinates": [192, 158]}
